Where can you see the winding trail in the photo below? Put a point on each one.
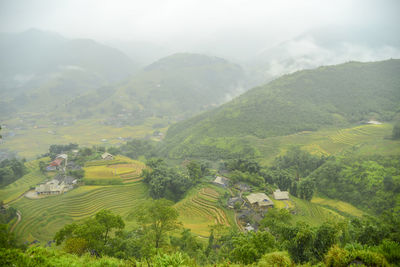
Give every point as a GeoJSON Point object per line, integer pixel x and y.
{"type": "Point", "coordinates": [17, 222]}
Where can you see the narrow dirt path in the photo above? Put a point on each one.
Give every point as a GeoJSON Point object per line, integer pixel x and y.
{"type": "Point", "coordinates": [17, 222]}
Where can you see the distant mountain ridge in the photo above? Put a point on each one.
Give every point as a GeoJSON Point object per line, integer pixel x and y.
{"type": "Point", "coordinates": [307, 100]}
{"type": "Point", "coordinates": [173, 87]}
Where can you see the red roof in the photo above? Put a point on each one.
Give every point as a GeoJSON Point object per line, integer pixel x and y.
{"type": "Point", "coordinates": [56, 162]}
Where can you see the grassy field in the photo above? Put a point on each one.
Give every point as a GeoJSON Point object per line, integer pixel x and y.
{"type": "Point", "coordinates": [41, 218]}
{"type": "Point", "coordinates": [35, 139]}
{"type": "Point", "coordinates": [200, 209]}
{"type": "Point", "coordinates": [119, 170]}
{"type": "Point", "coordinates": [338, 205]}
{"type": "Point", "coordinates": [33, 177]}
{"type": "Point", "coordinates": [312, 213]}
{"type": "Point", "coordinates": [364, 139]}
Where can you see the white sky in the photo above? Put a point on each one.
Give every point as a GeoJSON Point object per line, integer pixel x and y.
{"type": "Point", "coordinates": [245, 24]}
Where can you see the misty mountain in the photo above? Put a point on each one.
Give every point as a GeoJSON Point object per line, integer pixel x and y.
{"type": "Point", "coordinates": [40, 68]}
{"type": "Point", "coordinates": [327, 46]}
{"type": "Point", "coordinates": [334, 96]}
{"type": "Point", "coordinates": [173, 87]}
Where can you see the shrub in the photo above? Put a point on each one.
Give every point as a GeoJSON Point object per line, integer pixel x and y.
{"type": "Point", "coordinates": [276, 259]}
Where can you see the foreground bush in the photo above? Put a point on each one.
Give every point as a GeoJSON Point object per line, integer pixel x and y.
{"type": "Point", "coordinates": [338, 257]}
{"type": "Point", "coordinates": [276, 259]}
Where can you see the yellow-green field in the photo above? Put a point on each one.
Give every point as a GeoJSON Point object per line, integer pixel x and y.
{"type": "Point", "coordinates": [199, 210]}
{"type": "Point", "coordinates": [34, 141]}
{"type": "Point", "coordinates": [312, 213]}
{"type": "Point", "coordinates": [338, 205]}
{"type": "Point", "coordinates": [364, 139]}
{"type": "Point", "coordinates": [33, 177]}
{"type": "Point", "coordinates": [41, 218]}
{"type": "Point", "coordinates": [121, 169]}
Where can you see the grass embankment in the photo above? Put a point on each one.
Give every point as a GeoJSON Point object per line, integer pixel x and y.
{"type": "Point", "coordinates": [200, 209]}
{"type": "Point", "coordinates": [42, 218]}
{"type": "Point", "coordinates": [117, 171]}
{"type": "Point", "coordinates": [17, 188]}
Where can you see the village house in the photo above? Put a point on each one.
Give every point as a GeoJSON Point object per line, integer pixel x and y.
{"type": "Point", "coordinates": [260, 200]}
{"type": "Point", "coordinates": [107, 156]}
{"type": "Point", "coordinates": [50, 188]}
{"type": "Point", "coordinates": [221, 181]}
{"type": "Point", "coordinates": [233, 200]}
{"type": "Point", "coordinates": [281, 195]}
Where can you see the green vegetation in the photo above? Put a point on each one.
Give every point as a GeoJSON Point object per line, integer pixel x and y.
{"type": "Point", "coordinates": [43, 217]}
{"type": "Point", "coordinates": [117, 171]}
{"type": "Point", "coordinates": [17, 188]}
{"type": "Point", "coordinates": [11, 170]}
{"type": "Point", "coordinates": [200, 210]}
{"type": "Point", "coordinates": [304, 101]}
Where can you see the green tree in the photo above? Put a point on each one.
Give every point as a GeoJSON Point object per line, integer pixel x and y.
{"type": "Point", "coordinates": [109, 221]}
{"type": "Point", "coordinates": [95, 231]}
{"type": "Point", "coordinates": [7, 239]}
{"type": "Point", "coordinates": [396, 131]}
{"type": "Point", "coordinates": [306, 189]}
{"type": "Point", "coordinates": [194, 170]}
{"type": "Point", "coordinates": [42, 166]}
{"type": "Point", "coordinates": [325, 237]}
{"type": "Point", "coordinates": [157, 218]}
{"type": "Point", "coordinates": [301, 246]}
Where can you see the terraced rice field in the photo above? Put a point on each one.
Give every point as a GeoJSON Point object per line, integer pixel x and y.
{"type": "Point", "coordinates": [338, 205]}
{"type": "Point", "coordinates": [312, 213]}
{"type": "Point", "coordinates": [34, 176]}
{"type": "Point", "coordinates": [353, 136]}
{"type": "Point", "coordinates": [42, 218]}
{"type": "Point", "coordinates": [121, 169]}
{"type": "Point", "coordinates": [200, 210]}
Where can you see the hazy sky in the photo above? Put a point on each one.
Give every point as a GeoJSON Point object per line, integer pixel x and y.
{"type": "Point", "coordinates": [237, 24]}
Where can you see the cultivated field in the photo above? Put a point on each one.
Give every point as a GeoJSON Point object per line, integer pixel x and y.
{"type": "Point", "coordinates": [200, 210]}
{"type": "Point", "coordinates": [41, 218]}
{"type": "Point", "coordinates": [119, 170]}
{"type": "Point", "coordinates": [363, 139]}
{"type": "Point", "coordinates": [313, 214]}
{"type": "Point", "coordinates": [35, 139]}
{"type": "Point", "coordinates": [17, 188]}
{"type": "Point", "coordinates": [339, 206]}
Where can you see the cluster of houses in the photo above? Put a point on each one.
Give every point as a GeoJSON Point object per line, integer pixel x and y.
{"type": "Point", "coordinates": [62, 182]}
{"type": "Point", "coordinates": [252, 203]}
{"type": "Point", "coordinates": [59, 185]}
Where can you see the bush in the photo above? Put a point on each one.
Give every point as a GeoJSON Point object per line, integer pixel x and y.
{"type": "Point", "coordinates": [276, 259]}
{"type": "Point", "coordinates": [338, 257]}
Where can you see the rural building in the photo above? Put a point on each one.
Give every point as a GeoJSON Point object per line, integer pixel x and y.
{"type": "Point", "coordinates": [374, 122]}
{"type": "Point", "coordinates": [50, 188]}
{"type": "Point", "coordinates": [242, 187]}
{"type": "Point", "coordinates": [281, 195]}
{"type": "Point", "coordinates": [221, 181]}
{"type": "Point", "coordinates": [62, 156]}
{"type": "Point", "coordinates": [260, 200]}
{"type": "Point", "coordinates": [233, 200]}
{"type": "Point", "coordinates": [249, 228]}
{"type": "Point", "coordinates": [107, 156]}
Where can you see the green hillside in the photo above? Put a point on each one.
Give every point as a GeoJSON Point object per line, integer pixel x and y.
{"type": "Point", "coordinates": [325, 98]}
{"type": "Point", "coordinates": [174, 87]}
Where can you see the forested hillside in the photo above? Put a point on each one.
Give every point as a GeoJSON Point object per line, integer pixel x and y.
{"type": "Point", "coordinates": [334, 96]}
{"type": "Point", "coordinates": [175, 87]}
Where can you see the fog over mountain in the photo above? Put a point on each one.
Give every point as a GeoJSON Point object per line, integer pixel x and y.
{"type": "Point", "coordinates": [236, 30]}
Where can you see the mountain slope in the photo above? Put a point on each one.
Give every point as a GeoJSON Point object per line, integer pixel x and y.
{"type": "Point", "coordinates": [304, 101]}
{"type": "Point", "coordinates": [40, 70]}
{"type": "Point", "coordinates": [174, 87]}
